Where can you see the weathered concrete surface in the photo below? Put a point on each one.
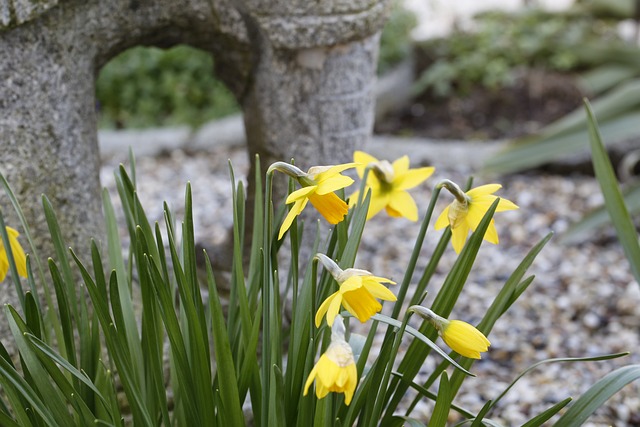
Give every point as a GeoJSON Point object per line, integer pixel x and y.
{"type": "Point", "coordinates": [302, 72]}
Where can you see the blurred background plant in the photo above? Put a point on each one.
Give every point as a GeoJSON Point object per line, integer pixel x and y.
{"type": "Point", "coordinates": [500, 43]}
{"type": "Point", "coordinates": [608, 74]}
{"type": "Point", "coordinates": [145, 87]}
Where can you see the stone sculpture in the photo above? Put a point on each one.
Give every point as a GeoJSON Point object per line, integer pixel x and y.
{"type": "Point", "coordinates": [302, 72]}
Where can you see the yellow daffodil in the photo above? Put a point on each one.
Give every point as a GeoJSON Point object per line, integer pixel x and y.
{"type": "Point", "coordinates": [464, 339]}
{"type": "Point", "coordinates": [318, 186]}
{"type": "Point", "coordinates": [389, 183]}
{"type": "Point", "coordinates": [357, 292]}
{"type": "Point", "coordinates": [466, 212]}
{"type": "Point", "coordinates": [460, 336]}
{"type": "Point", "coordinates": [336, 370]}
{"type": "Point", "coordinates": [18, 255]}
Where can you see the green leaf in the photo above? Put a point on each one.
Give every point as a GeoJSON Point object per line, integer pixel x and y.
{"type": "Point", "coordinates": [61, 253]}
{"type": "Point", "coordinates": [65, 316]}
{"type": "Point", "coordinates": [612, 196]}
{"type": "Point", "coordinates": [276, 415]}
{"type": "Point", "coordinates": [49, 361]}
{"type": "Point", "coordinates": [440, 412]}
{"type": "Point", "coordinates": [11, 380]}
{"type": "Point", "coordinates": [545, 415]}
{"type": "Point", "coordinates": [600, 217]}
{"type": "Point", "coordinates": [401, 421]}
{"type": "Point", "coordinates": [557, 360]}
{"type": "Point", "coordinates": [37, 374]}
{"type": "Point", "coordinates": [532, 152]}
{"type": "Point", "coordinates": [128, 324]}
{"type": "Point", "coordinates": [605, 77]}
{"type": "Point", "coordinates": [116, 345]}
{"type": "Point", "coordinates": [226, 371]}
{"type": "Point", "coordinates": [417, 334]}
{"type": "Point", "coordinates": [597, 394]}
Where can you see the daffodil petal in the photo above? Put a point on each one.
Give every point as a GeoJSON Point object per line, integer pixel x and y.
{"type": "Point", "coordinates": [351, 385]}
{"type": "Point", "coordinates": [351, 284]}
{"type": "Point", "coordinates": [334, 308]}
{"type": "Point", "coordinates": [332, 184]}
{"type": "Point", "coordinates": [295, 210]}
{"type": "Point", "coordinates": [377, 203]}
{"type": "Point", "coordinates": [4, 265]}
{"type": "Point", "coordinates": [483, 202]}
{"type": "Point", "coordinates": [12, 232]}
{"type": "Point", "coordinates": [491, 235]}
{"type": "Point", "coordinates": [324, 307]}
{"type": "Point", "coordinates": [401, 165]}
{"type": "Point", "coordinates": [380, 279]}
{"type": "Point", "coordinates": [328, 370]}
{"type": "Point", "coordinates": [475, 215]}
{"type": "Point", "coordinates": [459, 237]}
{"type": "Point", "coordinates": [310, 378]}
{"type": "Point", "coordinates": [443, 219]}
{"type": "Point", "coordinates": [321, 173]}
{"type": "Point", "coordinates": [363, 159]}
{"type": "Point", "coordinates": [379, 291]}
{"type": "Point", "coordinates": [18, 256]}
{"type": "Point", "coordinates": [414, 177]}
{"type": "Point", "coordinates": [402, 202]}
{"type": "Point", "coordinates": [506, 205]}
{"type": "Point", "coordinates": [300, 193]}
{"type": "Point", "coordinates": [483, 190]}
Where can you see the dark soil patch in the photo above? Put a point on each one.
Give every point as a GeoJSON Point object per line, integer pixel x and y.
{"type": "Point", "coordinates": [536, 98]}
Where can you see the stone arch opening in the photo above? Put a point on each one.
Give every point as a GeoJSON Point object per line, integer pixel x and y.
{"type": "Point", "coordinates": [146, 87]}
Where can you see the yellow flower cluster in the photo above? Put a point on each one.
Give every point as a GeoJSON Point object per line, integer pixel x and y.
{"type": "Point", "coordinates": [359, 291]}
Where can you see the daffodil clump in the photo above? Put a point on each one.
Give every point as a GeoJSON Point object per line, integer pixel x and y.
{"type": "Point", "coordinates": [18, 255]}
{"type": "Point", "coordinates": [359, 292]}
{"type": "Point", "coordinates": [142, 336]}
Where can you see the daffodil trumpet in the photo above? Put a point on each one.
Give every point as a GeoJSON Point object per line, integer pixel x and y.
{"type": "Point", "coordinates": [460, 336]}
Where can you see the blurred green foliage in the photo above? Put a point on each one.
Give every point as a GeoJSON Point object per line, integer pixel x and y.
{"type": "Point", "coordinates": [145, 87]}
{"type": "Point", "coordinates": [502, 42]}
{"type": "Point", "coordinates": [395, 41]}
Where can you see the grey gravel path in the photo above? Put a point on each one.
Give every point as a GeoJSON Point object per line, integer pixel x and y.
{"type": "Point", "coordinates": [583, 301]}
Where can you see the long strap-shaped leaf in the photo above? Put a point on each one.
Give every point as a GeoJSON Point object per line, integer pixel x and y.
{"type": "Point", "coordinates": [599, 393]}
{"type": "Point", "coordinates": [612, 195]}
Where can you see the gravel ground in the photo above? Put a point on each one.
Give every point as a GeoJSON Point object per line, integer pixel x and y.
{"type": "Point", "coordinates": [583, 301]}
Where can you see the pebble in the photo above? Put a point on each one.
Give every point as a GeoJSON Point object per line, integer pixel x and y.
{"type": "Point", "coordinates": [583, 301]}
